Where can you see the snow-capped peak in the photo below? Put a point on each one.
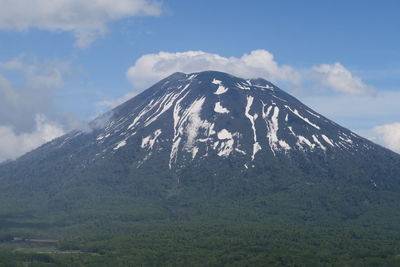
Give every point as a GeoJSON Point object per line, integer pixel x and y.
{"type": "Point", "coordinates": [192, 116]}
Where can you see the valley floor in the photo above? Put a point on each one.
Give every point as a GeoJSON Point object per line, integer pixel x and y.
{"type": "Point", "coordinates": [205, 243]}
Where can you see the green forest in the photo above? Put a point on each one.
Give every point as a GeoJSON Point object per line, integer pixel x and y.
{"type": "Point", "coordinates": [214, 244]}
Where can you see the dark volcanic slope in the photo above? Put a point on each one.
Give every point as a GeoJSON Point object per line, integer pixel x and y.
{"type": "Point", "coordinates": [211, 132]}
{"type": "Point", "coordinates": [196, 115]}
{"type": "Point", "coordinates": [193, 116]}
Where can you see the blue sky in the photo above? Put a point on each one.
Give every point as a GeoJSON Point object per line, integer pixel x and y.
{"type": "Point", "coordinates": [64, 63]}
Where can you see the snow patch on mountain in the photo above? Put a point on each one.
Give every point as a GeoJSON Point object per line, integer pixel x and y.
{"type": "Point", "coordinates": [303, 140]}
{"type": "Point", "coordinates": [296, 112]}
{"type": "Point", "coordinates": [225, 146]}
{"type": "Point", "coordinates": [220, 109]}
{"type": "Point", "coordinates": [252, 118]}
{"type": "Point", "coordinates": [148, 142]}
{"type": "Point", "coordinates": [316, 140]}
{"type": "Point", "coordinates": [329, 141]}
{"type": "Point", "coordinates": [195, 121]}
{"type": "Point", "coordinates": [221, 89]}
{"type": "Point", "coordinates": [120, 144]}
{"type": "Point", "coordinates": [264, 86]}
{"type": "Point", "coordinates": [224, 134]}
{"type": "Point", "coordinates": [242, 86]}
{"type": "Point", "coordinates": [272, 128]}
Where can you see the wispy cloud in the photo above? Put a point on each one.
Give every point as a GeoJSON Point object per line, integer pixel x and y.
{"type": "Point", "coordinates": [14, 144]}
{"type": "Point", "coordinates": [27, 115]}
{"type": "Point", "coordinates": [86, 19]}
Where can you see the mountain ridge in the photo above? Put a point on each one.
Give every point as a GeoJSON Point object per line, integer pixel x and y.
{"type": "Point", "coordinates": [209, 136]}
{"type": "Point", "coordinates": [267, 109]}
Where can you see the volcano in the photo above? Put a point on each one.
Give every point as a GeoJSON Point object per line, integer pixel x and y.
{"type": "Point", "coordinates": [208, 136]}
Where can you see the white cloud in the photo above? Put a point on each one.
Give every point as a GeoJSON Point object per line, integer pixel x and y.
{"type": "Point", "coordinates": [45, 75]}
{"type": "Point", "coordinates": [389, 135]}
{"type": "Point", "coordinates": [340, 79]}
{"type": "Point", "coordinates": [86, 19]}
{"type": "Point", "coordinates": [27, 115]}
{"type": "Point", "coordinates": [150, 68]}
{"type": "Point", "coordinates": [13, 145]}
{"type": "Point", "coordinates": [28, 89]}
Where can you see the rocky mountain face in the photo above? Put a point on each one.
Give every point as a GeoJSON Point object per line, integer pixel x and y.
{"type": "Point", "coordinates": [208, 133]}
{"type": "Point", "coordinates": [192, 116]}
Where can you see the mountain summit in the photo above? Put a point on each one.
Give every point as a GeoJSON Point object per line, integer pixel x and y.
{"type": "Point", "coordinates": [192, 116]}
{"type": "Point", "coordinates": [208, 136]}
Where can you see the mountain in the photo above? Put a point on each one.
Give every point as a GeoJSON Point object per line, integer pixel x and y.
{"type": "Point", "coordinates": [191, 117]}
{"type": "Point", "coordinates": [203, 134]}
{"type": "Point", "coordinates": [208, 124]}
{"type": "Point", "coordinates": [212, 155]}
